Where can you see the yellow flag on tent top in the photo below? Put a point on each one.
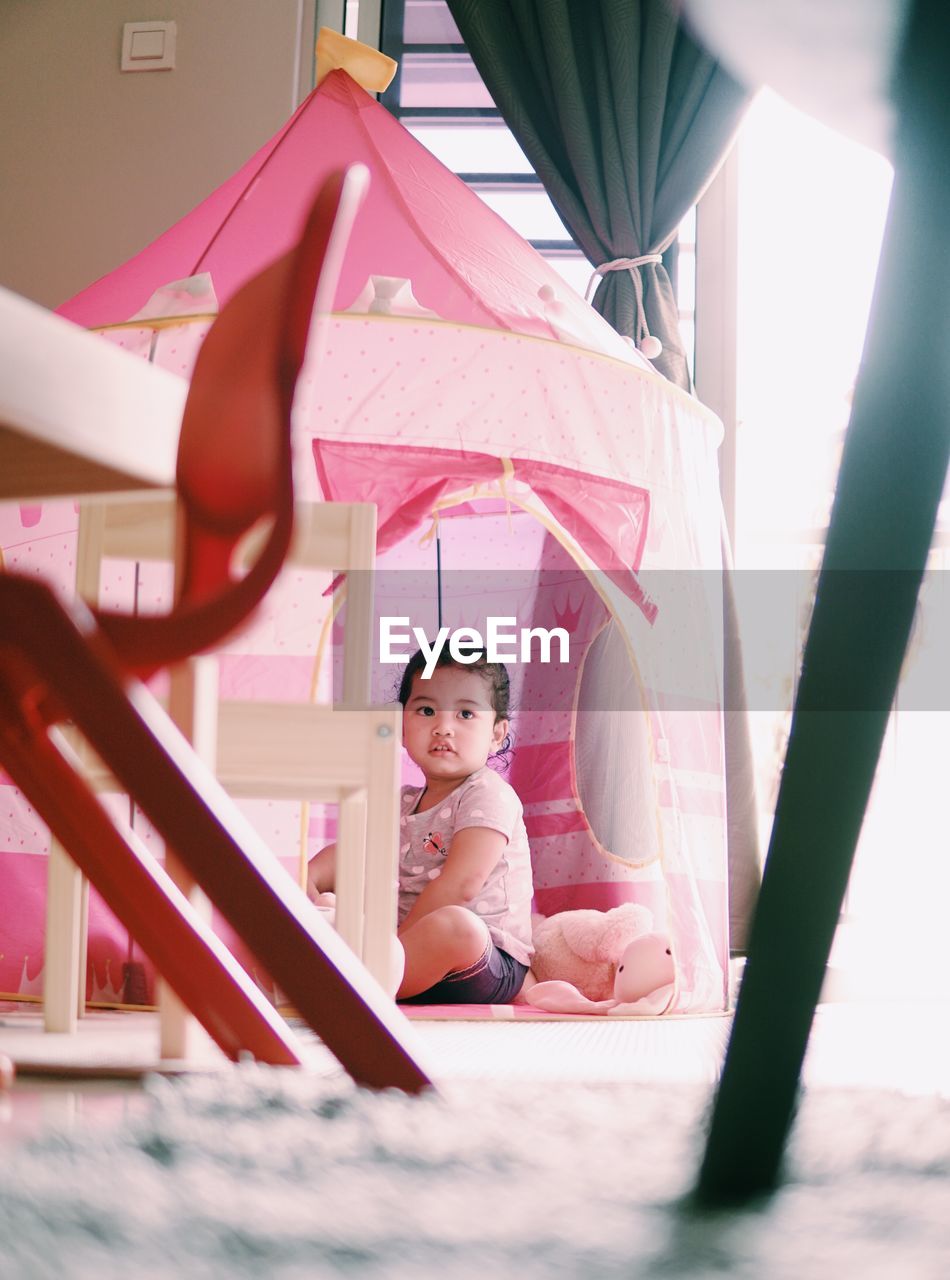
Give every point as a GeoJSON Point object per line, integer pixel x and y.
{"type": "Point", "coordinates": [370, 69]}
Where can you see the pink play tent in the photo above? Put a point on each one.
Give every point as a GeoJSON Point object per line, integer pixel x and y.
{"type": "Point", "coordinates": [526, 462]}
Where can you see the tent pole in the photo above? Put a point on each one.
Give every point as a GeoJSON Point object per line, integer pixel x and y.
{"type": "Point", "coordinates": [438, 572]}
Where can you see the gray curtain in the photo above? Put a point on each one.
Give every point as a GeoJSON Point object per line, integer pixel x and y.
{"type": "Point", "coordinates": [625, 119]}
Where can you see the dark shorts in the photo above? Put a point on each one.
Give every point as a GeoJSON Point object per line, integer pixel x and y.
{"type": "Point", "coordinates": [495, 978]}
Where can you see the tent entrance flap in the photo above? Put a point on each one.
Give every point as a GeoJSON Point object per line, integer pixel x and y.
{"type": "Point", "coordinates": [620, 773]}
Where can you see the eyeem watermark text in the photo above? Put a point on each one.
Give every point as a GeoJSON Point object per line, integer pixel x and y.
{"type": "Point", "coordinates": [503, 641]}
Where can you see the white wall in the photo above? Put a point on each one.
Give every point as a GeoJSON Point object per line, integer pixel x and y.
{"type": "Point", "coordinates": [94, 162]}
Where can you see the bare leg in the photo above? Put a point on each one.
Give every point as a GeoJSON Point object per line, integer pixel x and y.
{"type": "Point", "coordinates": [529, 981]}
{"type": "Point", "coordinates": [444, 941]}
{"type": "Point", "coordinates": [321, 872]}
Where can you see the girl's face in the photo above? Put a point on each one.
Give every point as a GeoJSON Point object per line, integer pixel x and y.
{"type": "Point", "coordinates": [449, 726]}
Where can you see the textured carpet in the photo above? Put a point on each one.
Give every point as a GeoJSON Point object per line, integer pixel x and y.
{"type": "Point", "coordinates": [264, 1173]}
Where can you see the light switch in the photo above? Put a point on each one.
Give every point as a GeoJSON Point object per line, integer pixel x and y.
{"type": "Point", "coordinates": [148, 46]}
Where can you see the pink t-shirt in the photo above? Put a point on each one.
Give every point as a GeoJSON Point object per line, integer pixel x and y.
{"type": "Point", "coordinates": [483, 800]}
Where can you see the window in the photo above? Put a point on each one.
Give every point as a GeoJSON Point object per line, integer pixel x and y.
{"type": "Point", "coordinates": [811, 211]}
{"type": "Point", "coordinates": [441, 99]}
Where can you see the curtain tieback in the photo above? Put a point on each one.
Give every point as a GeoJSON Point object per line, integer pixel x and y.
{"type": "Point", "coordinates": [644, 341]}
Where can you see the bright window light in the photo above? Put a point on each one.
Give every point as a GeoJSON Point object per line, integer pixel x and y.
{"type": "Point", "coordinates": [441, 80]}
{"type": "Point", "coordinates": [812, 208]}
{"type": "Point", "coordinates": [531, 213]}
{"type": "Point", "coordinates": [429, 22]}
{"type": "Point", "coordinates": [473, 147]}
{"type": "Point", "coordinates": [811, 216]}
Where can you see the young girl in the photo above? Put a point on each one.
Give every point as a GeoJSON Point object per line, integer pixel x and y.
{"type": "Point", "coordinates": [464, 868]}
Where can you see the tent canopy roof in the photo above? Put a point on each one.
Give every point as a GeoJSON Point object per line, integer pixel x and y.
{"type": "Point", "coordinates": [420, 223]}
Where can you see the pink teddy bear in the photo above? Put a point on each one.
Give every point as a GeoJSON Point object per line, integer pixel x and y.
{"type": "Point", "coordinates": [584, 947]}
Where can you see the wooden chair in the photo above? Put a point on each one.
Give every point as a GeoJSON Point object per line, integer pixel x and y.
{"type": "Point", "coordinates": [277, 750]}
{"type": "Point", "coordinates": [234, 471]}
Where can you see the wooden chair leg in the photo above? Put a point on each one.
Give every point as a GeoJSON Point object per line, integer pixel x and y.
{"type": "Point", "coordinates": [180, 1033]}
{"type": "Point", "coordinates": [382, 846]}
{"type": "Point", "coordinates": [63, 967]}
{"type": "Point", "coordinates": [367, 849]}
{"type": "Point", "coordinates": [360, 598]}
{"type": "Point", "coordinates": [351, 869]}
{"type": "Point", "coordinates": [90, 552]}
{"type": "Point", "coordinates": [82, 953]}
{"type": "Point", "coordinates": [193, 706]}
